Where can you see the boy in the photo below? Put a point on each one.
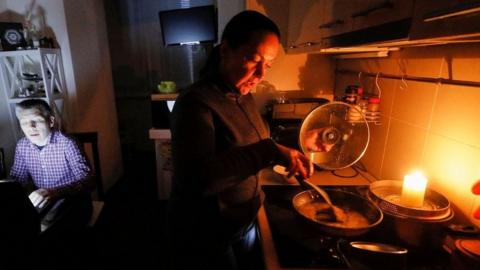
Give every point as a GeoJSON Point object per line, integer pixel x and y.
{"type": "Point", "coordinates": [54, 165]}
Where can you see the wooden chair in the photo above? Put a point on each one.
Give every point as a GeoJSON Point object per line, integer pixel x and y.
{"type": "Point", "coordinates": [85, 139]}
{"type": "Point", "coordinates": [3, 169]}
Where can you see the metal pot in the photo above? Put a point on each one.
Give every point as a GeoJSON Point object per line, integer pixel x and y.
{"type": "Point", "coordinates": [344, 200]}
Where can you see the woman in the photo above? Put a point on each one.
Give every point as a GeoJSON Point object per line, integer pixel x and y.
{"type": "Point", "coordinates": [219, 144]}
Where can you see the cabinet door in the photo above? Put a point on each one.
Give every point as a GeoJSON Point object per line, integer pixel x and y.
{"type": "Point", "coordinates": [446, 19]}
{"type": "Point", "coordinates": [312, 20]}
{"type": "Point", "coordinates": [370, 13]}
{"type": "Point", "coordinates": [335, 17]}
{"type": "Point", "coordinates": [303, 21]}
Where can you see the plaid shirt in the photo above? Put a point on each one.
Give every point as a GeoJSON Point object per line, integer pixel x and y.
{"type": "Point", "coordinates": [57, 164]}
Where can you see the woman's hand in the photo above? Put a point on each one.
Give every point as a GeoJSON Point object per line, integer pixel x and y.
{"type": "Point", "coordinates": [297, 162]}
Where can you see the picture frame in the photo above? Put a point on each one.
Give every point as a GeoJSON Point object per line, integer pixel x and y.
{"type": "Point", "coordinates": [11, 36]}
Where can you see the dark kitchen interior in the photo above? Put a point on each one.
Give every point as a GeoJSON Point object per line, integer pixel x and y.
{"type": "Point", "coordinates": [405, 70]}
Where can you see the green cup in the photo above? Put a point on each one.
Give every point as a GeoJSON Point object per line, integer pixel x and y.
{"type": "Point", "coordinates": [167, 87]}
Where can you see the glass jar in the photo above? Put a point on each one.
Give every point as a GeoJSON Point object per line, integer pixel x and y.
{"type": "Point", "coordinates": [373, 104]}
{"type": "Point", "coordinates": [351, 94]}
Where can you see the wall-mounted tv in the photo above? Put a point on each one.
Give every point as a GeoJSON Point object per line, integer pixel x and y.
{"type": "Point", "coordinates": [189, 25]}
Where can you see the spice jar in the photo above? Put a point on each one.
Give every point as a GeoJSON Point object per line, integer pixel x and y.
{"type": "Point", "coordinates": [373, 104]}
{"type": "Point", "coordinates": [351, 95]}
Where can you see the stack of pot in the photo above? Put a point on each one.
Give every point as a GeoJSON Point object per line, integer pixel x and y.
{"type": "Point", "coordinates": [417, 227]}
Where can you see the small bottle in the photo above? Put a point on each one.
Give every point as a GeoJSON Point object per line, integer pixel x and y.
{"type": "Point", "coordinates": [373, 104]}
{"type": "Point", "coordinates": [351, 94]}
{"type": "Point", "coordinates": [362, 102]}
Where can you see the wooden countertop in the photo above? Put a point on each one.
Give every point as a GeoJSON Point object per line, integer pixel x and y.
{"type": "Point", "coordinates": [269, 177]}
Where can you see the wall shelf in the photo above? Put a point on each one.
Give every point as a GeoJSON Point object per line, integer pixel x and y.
{"type": "Point", "coordinates": [164, 97]}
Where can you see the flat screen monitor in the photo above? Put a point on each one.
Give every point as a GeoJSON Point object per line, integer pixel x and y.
{"type": "Point", "coordinates": [189, 25]}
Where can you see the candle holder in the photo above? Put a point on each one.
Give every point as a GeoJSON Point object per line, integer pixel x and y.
{"type": "Point", "coordinates": [387, 194]}
{"type": "Point", "coordinates": [416, 227]}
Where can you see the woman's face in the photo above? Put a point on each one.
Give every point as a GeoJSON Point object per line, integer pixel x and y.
{"type": "Point", "coordinates": [245, 66]}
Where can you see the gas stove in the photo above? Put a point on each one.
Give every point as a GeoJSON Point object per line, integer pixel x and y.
{"type": "Point", "coordinates": [299, 245]}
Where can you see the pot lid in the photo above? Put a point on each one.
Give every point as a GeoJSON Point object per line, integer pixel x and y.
{"type": "Point", "coordinates": [338, 127]}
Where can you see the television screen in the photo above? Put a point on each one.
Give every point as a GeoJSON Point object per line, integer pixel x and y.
{"type": "Point", "coordinates": [189, 26]}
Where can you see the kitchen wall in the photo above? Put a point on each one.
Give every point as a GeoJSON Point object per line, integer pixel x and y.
{"type": "Point", "coordinates": [79, 28]}
{"type": "Point", "coordinates": [292, 75]}
{"type": "Point", "coordinates": [428, 126]}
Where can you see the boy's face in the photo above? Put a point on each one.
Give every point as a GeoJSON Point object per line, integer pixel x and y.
{"type": "Point", "coordinates": [35, 126]}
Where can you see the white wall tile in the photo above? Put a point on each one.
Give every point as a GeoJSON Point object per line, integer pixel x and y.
{"type": "Point", "coordinates": [452, 168]}
{"type": "Point", "coordinates": [403, 150]}
{"type": "Point", "coordinates": [413, 104]}
{"type": "Point", "coordinates": [456, 114]}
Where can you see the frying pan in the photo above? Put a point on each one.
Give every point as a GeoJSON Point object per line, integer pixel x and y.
{"type": "Point", "coordinates": [348, 202]}
{"type": "Point", "coordinates": [345, 129]}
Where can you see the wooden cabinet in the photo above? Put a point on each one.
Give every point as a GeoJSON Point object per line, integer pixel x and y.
{"type": "Point", "coordinates": [335, 18]}
{"type": "Point", "coordinates": [336, 26]}
{"type": "Point", "coordinates": [319, 24]}
{"type": "Point", "coordinates": [311, 21]}
{"type": "Point", "coordinates": [371, 13]}
{"type": "Point", "coordinates": [446, 20]}
{"type": "Point", "coordinates": [302, 23]}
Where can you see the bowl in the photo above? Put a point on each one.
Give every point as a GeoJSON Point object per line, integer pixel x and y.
{"type": "Point", "coordinates": [167, 87]}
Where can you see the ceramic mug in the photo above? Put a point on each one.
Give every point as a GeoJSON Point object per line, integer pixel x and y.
{"type": "Point", "coordinates": [167, 87]}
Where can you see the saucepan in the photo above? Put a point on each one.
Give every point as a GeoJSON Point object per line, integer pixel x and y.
{"type": "Point", "coordinates": [370, 255]}
{"type": "Point", "coordinates": [331, 132]}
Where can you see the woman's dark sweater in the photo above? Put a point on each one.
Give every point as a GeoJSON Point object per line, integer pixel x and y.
{"type": "Point", "coordinates": [219, 143]}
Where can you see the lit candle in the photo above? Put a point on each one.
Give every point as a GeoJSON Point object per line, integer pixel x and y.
{"type": "Point", "coordinates": [413, 190]}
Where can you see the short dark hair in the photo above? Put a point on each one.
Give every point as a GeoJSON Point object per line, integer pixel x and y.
{"type": "Point", "coordinates": [39, 104]}
{"type": "Point", "coordinates": [242, 26]}
{"type": "Point", "coordinates": [239, 31]}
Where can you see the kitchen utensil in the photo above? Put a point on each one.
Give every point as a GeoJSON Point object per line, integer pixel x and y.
{"type": "Point", "coordinates": [332, 212]}
{"type": "Point", "coordinates": [370, 255]}
{"type": "Point", "coordinates": [167, 87]}
{"type": "Point", "coordinates": [352, 204]}
{"type": "Point", "coordinates": [320, 191]}
{"type": "Point", "coordinates": [378, 247]}
{"type": "Point", "coordinates": [416, 227]}
{"type": "Point", "coordinates": [386, 194]}
{"type": "Point", "coordinates": [332, 124]}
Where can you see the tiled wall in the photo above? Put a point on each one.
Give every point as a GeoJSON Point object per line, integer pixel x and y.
{"type": "Point", "coordinates": [427, 126]}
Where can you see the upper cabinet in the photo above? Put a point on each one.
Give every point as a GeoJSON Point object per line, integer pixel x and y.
{"type": "Point", "coordinates": [302, 22]}
{"type": "Point", "coordinates": [335, 18]}
{"type": "Point", "coordinates": [338, 26]}
{"type": "Point", "coordinates": [371, 13]}
{"type": "Point", "coordinates": [324, 23]}
{"type": "Point", "coordinates": [311, 21]}
{"type": "Point", "coordinates": [446, 20]}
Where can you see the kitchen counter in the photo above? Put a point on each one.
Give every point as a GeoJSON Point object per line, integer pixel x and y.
{"type": "Point", "coordinates": [319, 177]}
